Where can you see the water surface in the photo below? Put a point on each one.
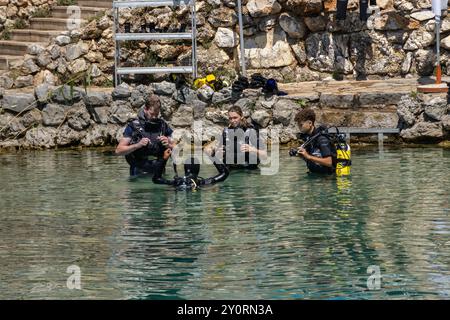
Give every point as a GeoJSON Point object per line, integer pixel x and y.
{"type": "Point", "coordinates": [289, 236]}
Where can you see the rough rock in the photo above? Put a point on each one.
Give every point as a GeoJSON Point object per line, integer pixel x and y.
{"type": "Point", "coordinates": [121, 112]}
{"type": "Point", "coordinates": [261, 117]}
{"type": "Point", "coordinates": [96, 99]}
{"type": "Point", "coordinates": [18, 102]}
{"type": "Point", "coordinates": [423, 132]}
{"type": "Point", "coordinates": [43, 137]}
{"type": "Point", "coordinates": [53, 115]}
{"type": "Point", "coordinates": [79, 118]}
{"type": "Point", "coordinates": [293, 26]}
{"type": "Point", "coordinates": [164, 88]}
{"type": "Point", "coordinates": [43, 92]}
{"type": "Point", "coordinates": [419, 39]}
{"type": "Point", "coordinates": [223, 17]}
{"type": "Point", "coordinates": [436, 108]}
{"type": "Point", "coordinates": [225, 38]}
{"type": "Point", "coordinates": [260, 8]}
{"type": "Point", "coordinates": [67, 95]}
{"type": "Point", "coordinates": [23, 81]}
{"type": "Point", "coordinates": [183, 117]}
{"type": "Point", "coordinates": [283, 111]}
{"type": "Point", "coordinates": [121, 91]}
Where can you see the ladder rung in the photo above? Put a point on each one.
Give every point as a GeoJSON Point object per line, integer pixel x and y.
{"type": "Point", "coordinates": [153, 36]}
{"type": "Point", "coordinates": [149, 70]}
{"type": "Point", "coordinates": [136, 4]}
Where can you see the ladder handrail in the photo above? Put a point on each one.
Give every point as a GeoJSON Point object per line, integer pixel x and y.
{"type": "Point", "coordinates": [119, 36]}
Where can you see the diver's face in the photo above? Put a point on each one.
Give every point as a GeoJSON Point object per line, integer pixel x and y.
{"type": "Point", "coordinates": [234, 118]}
{"type": "Point", "coordinates": [306, 126]}
{"type": "Point", "coordinates": [152, 112]}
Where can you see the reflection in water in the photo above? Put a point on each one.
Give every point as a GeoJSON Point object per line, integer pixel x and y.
{"type": "Point", "coordinates": [290, 236]}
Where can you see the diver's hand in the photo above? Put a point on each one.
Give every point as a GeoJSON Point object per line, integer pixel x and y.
{"type": "Point", "coordinates": [303, 153]}
{"type": "Point", "coordinates": [164, 140]}
{"type": "Point", "coordinates": [144, 142]}
{"type": "Point", "coordinates": [248, 148]}
{"type": "Point", "coordinates": [167, 154]}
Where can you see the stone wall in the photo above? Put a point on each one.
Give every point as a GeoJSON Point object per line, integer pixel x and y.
{"type": "Point", "coordinates": [424, 118]}
{"type": "Point", "coordinates": [289, 40]}
{"type": "Point", "coordinates": [60, 117]}
{"type": "Point", "coordinates": [13, 10]}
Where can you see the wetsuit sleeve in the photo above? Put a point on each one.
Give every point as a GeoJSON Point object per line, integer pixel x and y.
{"type": "Point", "coordinates": [221, 176]}
{"type": "Point", "coordinates": [168, 132]}
{"type": "Point", "coordinates": [157, 176]}
{"type": "Point", "coordinates": [128, 132]}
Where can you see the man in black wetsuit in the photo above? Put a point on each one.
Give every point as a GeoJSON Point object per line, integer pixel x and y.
{"type": "Point", "coordinates": [190, 180]}
{"type": "Point", "coordinates": [320, 153]}
{"type": "Point", "coordinates": [146, 136]}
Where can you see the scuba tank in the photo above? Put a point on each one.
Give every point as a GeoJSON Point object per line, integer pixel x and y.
{"type": "Point", "coordinates": [343, 153]}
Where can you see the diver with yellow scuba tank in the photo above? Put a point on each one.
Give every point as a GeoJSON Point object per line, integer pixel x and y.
{"type": "Point", "coordinates": [322, 152]}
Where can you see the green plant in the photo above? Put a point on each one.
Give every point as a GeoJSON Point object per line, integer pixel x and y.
{"type": "Point", "coordinates": [207, 44]}
{"type": "Point", "coordinates": [207, 7]}
{"type": "Point", "coordinates": [65, 2]}
{"type": "Point", "coordinates": [5, 35]}
{"type": "Point", "coordinates": [96, 17]}
{"type": "Point", "coordinates": [41, 13]}
{"type": "Point", "coordinates": [130, 45]}
{"type": "Point", "coordinates": [413, 94]}
{"type": "Point", "coordinates": [106, 83]}
{"type": "Point", "coordinates": [152, 59]}
{"type": "Point", "coordinates": [337, 75]}
{"type": "Point", "coordinates": [19, 24]}
{"type": "Point", "coordinates": [225, 74]}
{"type": "Point", "coordinates": [301, 103]}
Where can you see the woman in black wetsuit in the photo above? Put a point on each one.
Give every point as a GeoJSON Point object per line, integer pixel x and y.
{"type": "Point", "coordinates": [190, 180]}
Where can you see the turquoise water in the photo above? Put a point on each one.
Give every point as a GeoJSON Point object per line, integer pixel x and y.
{"type": "Point", "coordinates": [289, 236]}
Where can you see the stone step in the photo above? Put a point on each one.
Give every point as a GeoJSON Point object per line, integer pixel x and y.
{"type": "Point", "coordinates": [13, 48]}
{"type": "Point", "coordinates": [86, 12]}
{"type": "Point", "coordinates": [95, 3]}
{"type": "Point", "coordinates": [50, 24]}
{"type": "Point", "coordinates": [28, 35]}
{"type": "Point", "coordinates": [5, 61]}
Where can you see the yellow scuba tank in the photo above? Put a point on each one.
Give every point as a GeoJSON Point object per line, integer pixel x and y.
{"type": "Point", "coordinates": [210, 79]}
{"type": "Point", "coordinates": [344, 162]}
{"type": "Point", "coordinates": [200, 82]}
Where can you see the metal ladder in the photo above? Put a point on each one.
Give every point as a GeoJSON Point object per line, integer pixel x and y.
{"type": "Point", "coordinates": [118, 37]}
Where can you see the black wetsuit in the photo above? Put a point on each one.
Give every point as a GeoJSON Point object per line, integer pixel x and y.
{"type": "Point", "coordinates": [232, 139]}
{"type": "Point", "coordinates": [191, 181]}
{"type": "Point", "coordinates": [341, 8]}
{"type": "Point", "coordinates": [320, 147]}
{"type": "Point", "coordinates": [143, 128]}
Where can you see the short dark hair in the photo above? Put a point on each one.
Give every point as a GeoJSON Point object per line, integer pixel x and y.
{"type": "Point", "coordinates": [305, 115]}
{"type": "Point", "coordinates": [152, 101]}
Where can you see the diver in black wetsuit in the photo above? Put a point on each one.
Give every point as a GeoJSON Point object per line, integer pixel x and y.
{"type": "Point", "coordinates": [320, 153]}
{"type": "Point", "coordinates": [190, 180]}
{"type": "Point", "coordinates": [240, 146]}
{"type": "Point", "coordinates": [147, 136]}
